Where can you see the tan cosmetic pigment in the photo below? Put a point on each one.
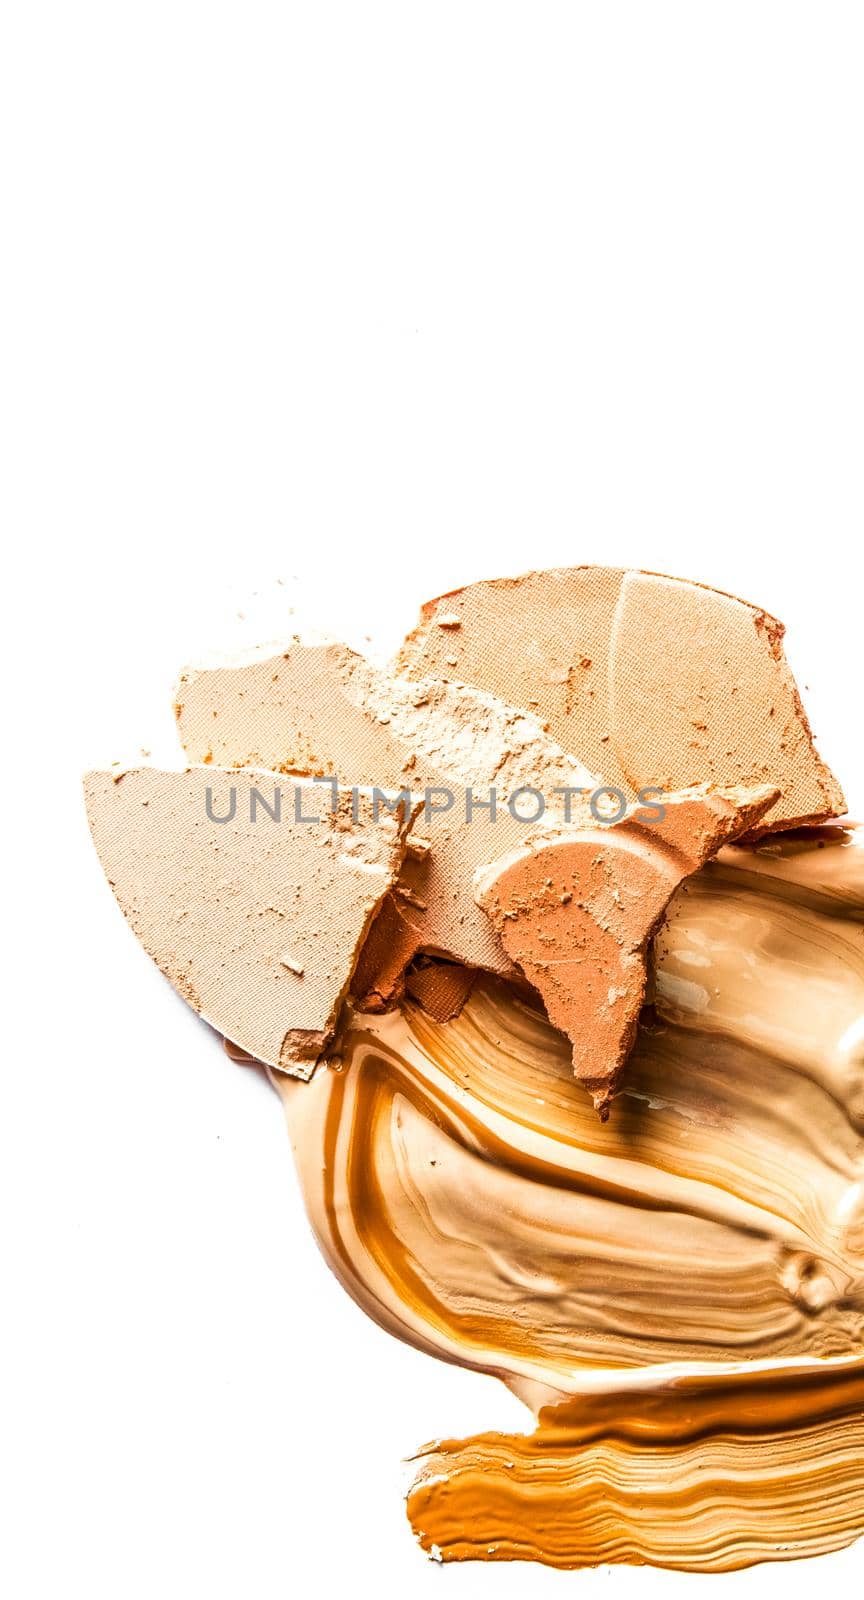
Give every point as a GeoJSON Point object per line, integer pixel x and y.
{"type": "Point", "coordinates": [676, 1292]}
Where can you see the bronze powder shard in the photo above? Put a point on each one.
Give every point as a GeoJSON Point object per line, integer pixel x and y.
{"type": "Point", "coordinates": [576, 910]}
{"type": "Point", "coordinates": [440, 987]}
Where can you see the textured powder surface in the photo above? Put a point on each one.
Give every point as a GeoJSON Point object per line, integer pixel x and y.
{"type": "Point", "coordinates": [575, 911]}
{"type": "Point", "coordinates": [396, 939]}
{"type": "Point", "coordinates": [295, 712]}
{"type": "Point", "coordinates": [440, 987]}
{"type": "Point", "coordinates": [289, 713]}
{"type": "Point", "coordinates": [323, 709]}
{"type": "Point", "coordinates": [652, 680]}
{"type": "Point", "coordinates": [257, 924]}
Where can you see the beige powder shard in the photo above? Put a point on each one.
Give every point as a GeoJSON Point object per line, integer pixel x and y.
{"type": "Point", "coordinates": [218, 904]}
{"type": "Point", "coordinates": [576, 910]}
{"type": "Point", "coordinates": [652, 680]}
{"type": "Point", "coordinates": [325, 710]}
{"type": "Point", "coordinates": [285, 713]}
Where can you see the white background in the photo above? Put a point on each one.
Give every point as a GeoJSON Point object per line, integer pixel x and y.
{"type": "Point", "coordinates": [373, 300]}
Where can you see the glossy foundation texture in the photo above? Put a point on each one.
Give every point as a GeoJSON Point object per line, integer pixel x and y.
{"type": "Point", "coordinates": [677, 1293]}
{"type": "Point", "coordinates": [446, 1001]}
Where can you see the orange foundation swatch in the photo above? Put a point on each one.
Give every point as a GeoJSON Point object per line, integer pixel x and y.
{"type": "Point", "coordinates": [677, 1294]}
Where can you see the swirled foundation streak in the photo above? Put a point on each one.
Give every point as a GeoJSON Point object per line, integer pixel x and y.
{"type": "Point", "coordinates": [677, 1294]}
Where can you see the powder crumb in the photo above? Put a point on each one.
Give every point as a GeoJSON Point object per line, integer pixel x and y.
{"type": "Point", "coordinates": [417, 847]}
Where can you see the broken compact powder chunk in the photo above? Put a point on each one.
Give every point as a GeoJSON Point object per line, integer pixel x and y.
{"type": "Point", "coordinates": [440, 987]}
{"type": "Point", "coordinates": [325, 710]}
{"type": "Point", "coordinates": [575, 910]}
{"type": "Point", "coordinates": [651, 680]}
{"type": "Point", "coordinates": [256, 922]}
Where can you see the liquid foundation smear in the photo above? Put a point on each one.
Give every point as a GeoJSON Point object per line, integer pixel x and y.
{"type": "Point", "coordinates": [554, 955]}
